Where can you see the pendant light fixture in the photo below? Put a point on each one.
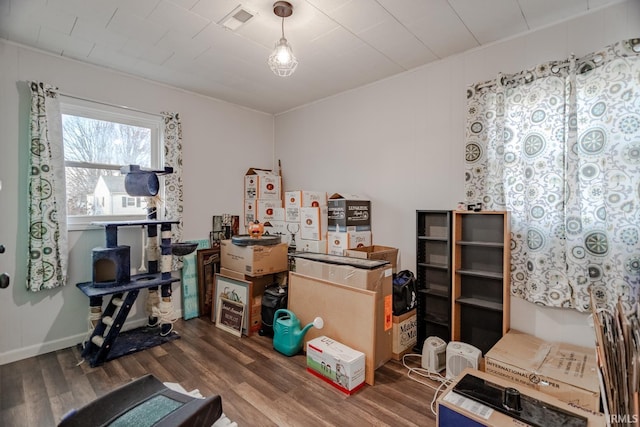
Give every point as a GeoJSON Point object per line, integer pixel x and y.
{"type": "Point", "coordinates": [282, 61]}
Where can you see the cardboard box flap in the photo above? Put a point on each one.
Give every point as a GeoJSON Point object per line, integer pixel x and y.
{"type": "Point", "coordinates": [368, 264]}
{"type": "Point", "coordinates": [258, 171]}
{"type": "Point", "coordinates": [336, 196]}
{"type": "Point", "coordinates": [522, 350]}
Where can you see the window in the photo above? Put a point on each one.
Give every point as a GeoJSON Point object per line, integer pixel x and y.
{"type": "Point", "coordinates": [98, 140]}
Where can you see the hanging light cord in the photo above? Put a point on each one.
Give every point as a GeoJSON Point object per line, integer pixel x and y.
{"type": "Point", "coordinates": [283, 27]}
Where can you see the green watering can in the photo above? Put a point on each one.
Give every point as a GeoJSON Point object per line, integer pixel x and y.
{"type": "Point", "coordinates": [287, 335]}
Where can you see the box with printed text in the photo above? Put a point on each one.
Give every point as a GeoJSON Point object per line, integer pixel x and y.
{"type": "Point", "coordinates": [339, 365]}
{"type": "Point", "coordinates": [348, 210]}
{"type": "Point", "coordinates": [338, 242]}
{"type": "Point", "coordinates": [261, 184]}
{"type": "Point", "coordinates": [313, 223]}
{"type": "Point", "coordinates": [566, 371]}
{"type": "Point", "coordinates": [301, 199]}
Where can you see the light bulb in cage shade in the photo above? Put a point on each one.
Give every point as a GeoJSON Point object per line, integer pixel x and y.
{"type": "Point", "coordinates": [283, 52]}
{"type": "Point", "coordinates": [282, 61]}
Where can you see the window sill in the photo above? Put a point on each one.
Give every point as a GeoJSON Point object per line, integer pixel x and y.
{"type": "Point", "coordinates": [86, 223]}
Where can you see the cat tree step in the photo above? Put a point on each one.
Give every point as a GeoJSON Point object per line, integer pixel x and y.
{"type": "Point", "coordinates": [139, 281]}
{"type": "Point", "coordinates": [97, 340]}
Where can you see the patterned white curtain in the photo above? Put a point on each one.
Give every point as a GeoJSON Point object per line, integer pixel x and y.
{"type": "Point", "coordinates": [559, 147]}
{"type": "Point", "coordinates": [173, 198]}
{"type": "Point", "coordinates": [48, 254]}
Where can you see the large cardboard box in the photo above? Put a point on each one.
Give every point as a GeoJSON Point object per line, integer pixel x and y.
{"type": "Point", "coordinates": [254, 260]}
{"type": "Point", "coordinates": [348, 210]}
{"type": "Point", "coordinates": [568, 372]}
{"type": "Point", "coordinates": [355, 303]}
{"type": "Point", "coordinates": [336, 363]}
{"type": "Point", "coordinates": [262, 184]}
{"type": "Point", "coordinates": [455, 410]}
{"type": "Point", "coordinates": [405, 334]}
{"type": "Point", "coordinates": [386, 253]}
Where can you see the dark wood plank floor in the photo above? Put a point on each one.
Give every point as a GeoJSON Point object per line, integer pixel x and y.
{"type": "Point", "coordinates": [259, 386]}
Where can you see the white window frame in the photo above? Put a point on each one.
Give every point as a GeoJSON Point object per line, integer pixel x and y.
{"type": "Point", "coordinates": [100, 111]}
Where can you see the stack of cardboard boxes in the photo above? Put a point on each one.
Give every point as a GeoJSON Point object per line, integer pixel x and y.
{"type": "Point", "coordinates": [256, 266]}
{"type": "Point", "coordinates": [349, 223]}
{"type": "Point", "coordinates": [306, 220]}
{"type": "Point", "coordinates": [262, 196]}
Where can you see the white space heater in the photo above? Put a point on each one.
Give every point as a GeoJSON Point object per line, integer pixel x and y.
{"type": "Point", "coordinates": [461, 356]}
{"type": "Point", "coordinates": [434, 354]}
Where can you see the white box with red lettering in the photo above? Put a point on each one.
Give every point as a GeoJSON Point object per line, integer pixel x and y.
{"type": "Point", "coordinates": [337, 364]}
{"type": "Point", "coordinates": [301, 199]}
{"type": "Point", "coordinates": [313, 223]}
{"type": "Point", "coordinates": [261, 184]}
{"type": "Point", "coordinates": [338, 241]}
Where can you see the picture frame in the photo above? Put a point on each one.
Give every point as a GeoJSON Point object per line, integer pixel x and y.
{"type": "Point", "coordinates": [234, 290]}
{"type": "Point", "coordinates": [224, 227]}
{"type": "Point", "coordinates": [230, 316]}
{"type": "Point", "coordinates": [208, 261]}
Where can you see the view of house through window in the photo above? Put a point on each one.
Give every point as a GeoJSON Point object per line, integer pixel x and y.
{"type": "Point", "coordinates": [98, 141]}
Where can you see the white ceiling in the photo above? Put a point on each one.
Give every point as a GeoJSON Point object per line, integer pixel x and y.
{"type": "Point", "coordinates": [340, 44]}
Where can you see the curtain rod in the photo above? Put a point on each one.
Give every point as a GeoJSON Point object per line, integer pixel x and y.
{"type": "Point", "coordinates": [81, 98]}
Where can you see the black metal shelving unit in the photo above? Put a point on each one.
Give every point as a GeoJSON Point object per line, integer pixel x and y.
{"type": "Point", "coordinates": [433, 275]}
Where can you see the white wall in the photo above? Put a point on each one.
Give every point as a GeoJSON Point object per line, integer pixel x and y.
{"type": "Point", "coordinates": [217, 138]}
{"type": "Point", "coordinates": [401, 141]}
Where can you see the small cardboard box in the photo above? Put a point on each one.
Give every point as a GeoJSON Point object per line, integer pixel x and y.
{"type": "Point", "coordinates": [349, 210]}
{"type": "Point", "coordinates": [337, 364]}
{"type": "Point", "coordinates": [568, 372]}
{"type": "Point", "coordinates": [386, 253]}
{"type": "Point", "coordinates": [301, 199]}
{"type": "Point", "coordinates": [405, 334]}
{"type": "Point", "coordinates": [261, 184]}
{"type": "Point", "coordinates": [338, 241]}
{"type": "Point", "coordinates": [313, 223]}
{"type": "Point", "coordinates": [254, 260]}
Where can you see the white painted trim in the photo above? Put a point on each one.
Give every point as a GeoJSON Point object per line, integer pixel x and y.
{"type": "Point", "coordinates": [71, 341]}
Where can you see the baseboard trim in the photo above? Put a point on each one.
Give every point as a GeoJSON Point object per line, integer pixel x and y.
{"type": "Point", "coordinates": [59, 344]}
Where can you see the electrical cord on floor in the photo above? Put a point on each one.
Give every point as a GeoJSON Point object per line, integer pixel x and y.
{"type": "Point", "coordinates": [426, 373]}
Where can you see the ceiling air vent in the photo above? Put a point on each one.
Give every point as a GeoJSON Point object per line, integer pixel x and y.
{"type": "Point", "coordinates": [237, 18]}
